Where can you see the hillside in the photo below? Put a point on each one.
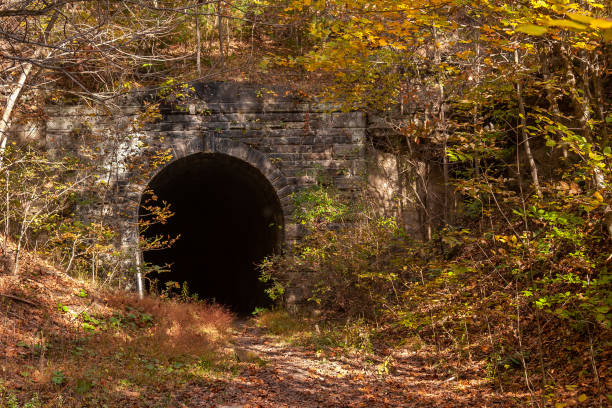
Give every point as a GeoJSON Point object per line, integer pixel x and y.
{"type": "Point", "coordinates": [67, 343]}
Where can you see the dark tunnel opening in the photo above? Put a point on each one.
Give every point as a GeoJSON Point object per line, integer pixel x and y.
{"type": "Point", "coordinates": [228, 218]}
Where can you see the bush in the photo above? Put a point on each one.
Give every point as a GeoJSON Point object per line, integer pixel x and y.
{"type": "Point", "coordinates": [351, 267]}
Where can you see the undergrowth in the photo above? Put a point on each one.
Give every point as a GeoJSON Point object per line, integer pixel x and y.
{"type": "Point", "coordinates": [75, 345]}
{"type": "Point", "coordinates": [512, 306]}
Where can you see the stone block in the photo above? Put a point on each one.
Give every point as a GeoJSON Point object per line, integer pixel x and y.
{"type": "Point", "coordinates": [348, 120]}
{"type": "Point", "coordinates": [171, 126]}
{"type": "Point", "coordinates": [214, 126]}
{"type": "Point", "coordinates": [285, 191]}
{"type": "Point", "coordinates": [292, 148]}
{"type": "Point", "coordinates": [347, 182]}
{"type": "Point", "coordinates": [60, 123]}
{"type": "Point", "coordinates": [347, 150]}
{"type": "Point", "coordinates": [185, 118]}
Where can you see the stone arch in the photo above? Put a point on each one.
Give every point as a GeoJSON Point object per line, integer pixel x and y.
{"type": "Point", "coordinates": [228, 215]}
{"type": "Point", "coordinates": [258, 160]}
{"type": "Point", "coordinates": [181, 148]}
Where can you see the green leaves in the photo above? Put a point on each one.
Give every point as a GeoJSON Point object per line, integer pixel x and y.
{"type": "Point", "coordinates": [58, 377]}
{"type": "Point", "coordinates": [83, 386]}
{"type": "Point", "coordinates": [318, 205]}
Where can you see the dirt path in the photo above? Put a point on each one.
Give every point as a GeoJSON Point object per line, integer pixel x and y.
{"type": "Point", "coordinates": [282, 375]}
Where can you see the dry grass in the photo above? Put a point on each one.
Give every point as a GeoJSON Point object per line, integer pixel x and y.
{"type": "Point", "coordinates": [181, 327]}
{"type": "Point", "coordinates": [70, 344]}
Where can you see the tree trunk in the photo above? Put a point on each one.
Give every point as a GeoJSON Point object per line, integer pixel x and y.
{"type": "Point", "coordinates": [600, 103]}
{"type": "Point", "coordinates": [552, 100]}
{"type": "Point", "coordinates": [525, 136]}
{"type": "Point", "coordinates": [198, 42]}
{"type": "Point", "coordinates": [220, 28]}
{"type": "Point", "coordinates": [5, 122]}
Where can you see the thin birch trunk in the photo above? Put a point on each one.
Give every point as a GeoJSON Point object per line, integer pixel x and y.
{"type": "Point", "coordinates": [7, 213]}
{"type": "Point", "coordinates": [22, 230]}
{"type": "Point", "coordinates": [600, 103]}
{"type": "Point", "coordinates": [5, 122]}
{"type": "Point", "coordinates": [442, 126]}
{"type": "Point", "coordinates": [476, 118]}
{"type": "Point", "coordinates": [585, 118]}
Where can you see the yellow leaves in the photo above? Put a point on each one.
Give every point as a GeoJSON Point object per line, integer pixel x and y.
{"type": "Point", "coordinates": [584, 46]}
{"type": "Point", "coordinates": [511, 240]}
{"type": "Point", "coordinates": [465, 54]}
{"type": "Point", "coordinates": [566, 24]}
{"type": "Point", "coordinates": [449, 69]}
{"type": "Point", "coordinates": [591, 21]}
{"type": "Point", "coordinates": [598, 196]}
{"type": "Point", "coordinates": [531, 29]}
{"type": "Point", "coordinates": [539, 3]}
{"type": "Point", "coordinates": [581, 398]}
{"type": "Point", "coordinates": [575, 22]}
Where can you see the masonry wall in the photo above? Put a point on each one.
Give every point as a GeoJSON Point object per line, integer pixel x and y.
{"type": "Point", "coordinates": [291, 141]}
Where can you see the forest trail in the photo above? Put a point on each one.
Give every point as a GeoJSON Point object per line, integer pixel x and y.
{"type": "Point", "coordinates": [285, 375]}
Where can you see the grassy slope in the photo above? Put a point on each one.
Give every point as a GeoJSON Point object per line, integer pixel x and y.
{"type": "Point", "coordinates": [68, 343]}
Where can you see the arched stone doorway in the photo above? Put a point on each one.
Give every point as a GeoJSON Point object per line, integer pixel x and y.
{"type": "Point", "coordinates": [228, 216]}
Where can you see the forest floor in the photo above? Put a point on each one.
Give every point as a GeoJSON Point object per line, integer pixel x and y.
{"type": "Point", "coordinates": [281, 373]}
{"type": "Point", "coordinates": [68, 343]}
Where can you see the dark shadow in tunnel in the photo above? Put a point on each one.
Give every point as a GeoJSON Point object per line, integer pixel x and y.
{"type": "Point", "coordinates": [229, 218]}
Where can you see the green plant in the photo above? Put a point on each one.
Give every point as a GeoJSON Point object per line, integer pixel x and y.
{"type": "Point", "coordinates": [318, 205]}
{"type": "Point", "coordinates": [259, 310]}
{"type": "Point", "coordinates": [58, 377]}
{"type": "Point", "coordinates": [83, 385]}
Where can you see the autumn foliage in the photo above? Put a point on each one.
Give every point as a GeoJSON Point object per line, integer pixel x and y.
{"type": "Point", "coordinates": [497, 116]}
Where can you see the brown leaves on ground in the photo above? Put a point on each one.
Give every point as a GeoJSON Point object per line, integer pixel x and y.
{"type": "Point", "coordinates": [286, 375]}
{"type": "Point", "coordinates": [73, 344]}
{"type": "Point", "coordinates": [64, 343]}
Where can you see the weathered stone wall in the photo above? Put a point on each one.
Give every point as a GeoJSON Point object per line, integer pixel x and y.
{"type": "Point", "coordinates": [288, 140]}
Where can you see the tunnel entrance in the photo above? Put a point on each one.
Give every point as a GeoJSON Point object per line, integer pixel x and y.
{"type": "Point", "coordinates": [227, 216]}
